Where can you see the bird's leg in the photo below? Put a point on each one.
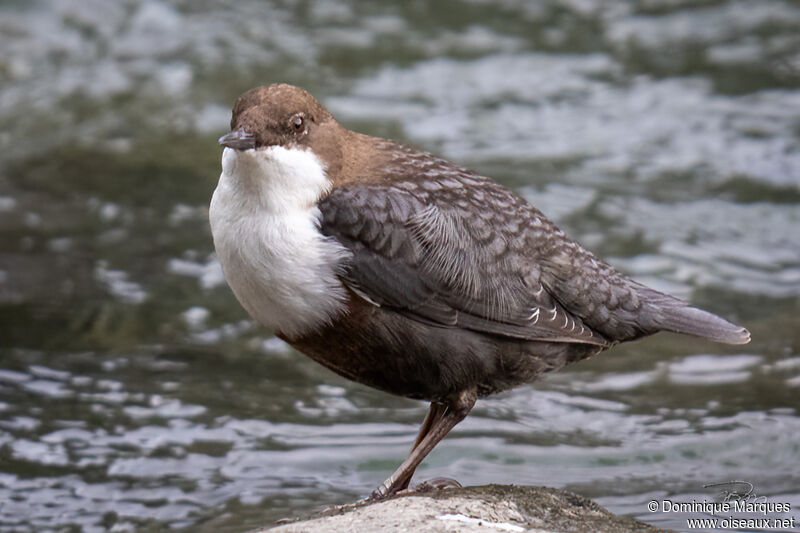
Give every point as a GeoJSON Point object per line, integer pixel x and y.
{"type": "Point", "coordinates": [435, 412]}
{"type": "Point", "coordinates": [442, 419]}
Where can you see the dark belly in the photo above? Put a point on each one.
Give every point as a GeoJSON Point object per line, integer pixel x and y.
{"type": "Point", "coordinates": [386, 350]}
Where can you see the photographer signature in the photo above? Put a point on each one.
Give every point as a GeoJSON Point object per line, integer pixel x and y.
{"type": "Point", "coordinates": [737, 490]}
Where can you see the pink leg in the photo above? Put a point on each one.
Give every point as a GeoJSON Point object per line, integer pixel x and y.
{"type": "Point", "coordinates": [441, 418]}
{"type": "Point", "coordinates": [434, 414]}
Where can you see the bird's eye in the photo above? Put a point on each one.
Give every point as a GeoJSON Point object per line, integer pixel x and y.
{"type": "Point", "coordinates": [298, 123]}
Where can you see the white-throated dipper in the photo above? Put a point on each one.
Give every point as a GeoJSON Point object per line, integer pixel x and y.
{"type": "Point", "coordinates": [408, 273]}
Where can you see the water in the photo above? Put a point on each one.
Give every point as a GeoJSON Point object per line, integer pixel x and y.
{"type": "Point", "coordinates": [136, 395]}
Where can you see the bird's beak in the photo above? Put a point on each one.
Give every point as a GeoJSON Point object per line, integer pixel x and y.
{"type": "Point", "coordinates": [238, 139]}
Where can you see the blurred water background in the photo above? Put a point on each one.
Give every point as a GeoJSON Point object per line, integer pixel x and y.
{"type": "Point", "coordinates": [135, 394]}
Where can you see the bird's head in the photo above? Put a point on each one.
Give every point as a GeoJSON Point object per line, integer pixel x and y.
{"type": "Point", "coordinates": [277, 115]}
{"type": "Point", "coordinates": [284, 147]}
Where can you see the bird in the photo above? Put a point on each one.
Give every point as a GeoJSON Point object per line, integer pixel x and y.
{"type": "Point", "coordinates": [411, 274]}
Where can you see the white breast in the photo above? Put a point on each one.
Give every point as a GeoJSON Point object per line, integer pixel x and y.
{"type": "Point", "coordinates": [265, 225]}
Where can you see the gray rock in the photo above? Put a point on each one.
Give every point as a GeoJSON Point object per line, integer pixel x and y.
{"type": "Point", "coordinates": [490, 508]}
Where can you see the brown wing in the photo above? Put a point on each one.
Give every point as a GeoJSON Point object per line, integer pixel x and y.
{"type": "Point", "coordinates": [458, 258]}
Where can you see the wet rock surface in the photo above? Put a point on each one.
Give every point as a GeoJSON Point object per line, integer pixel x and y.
{"type": "Point", "coordinates": [486, 508]}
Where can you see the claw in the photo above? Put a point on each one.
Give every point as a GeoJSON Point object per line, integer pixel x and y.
{"type": "Point", "coordinates": [437, 483]}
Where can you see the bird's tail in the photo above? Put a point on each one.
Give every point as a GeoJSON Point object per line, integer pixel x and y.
{"type": "Point", "coordinates": [672, 314]}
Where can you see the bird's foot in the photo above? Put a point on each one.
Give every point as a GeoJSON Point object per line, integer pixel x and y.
{"type": "Point", "coordinates": [430, 485]}
{"type": "Point", "coordinates": [437, 483]}
{"type": "Point", "coordinates": [377, 495]}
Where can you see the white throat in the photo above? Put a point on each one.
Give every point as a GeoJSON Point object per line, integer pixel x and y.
{"type": "Point", "coordinates": [265, 225]}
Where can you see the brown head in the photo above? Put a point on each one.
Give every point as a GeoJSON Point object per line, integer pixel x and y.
{"type": "Point", "coordinates": [277, 114]}
{"type": "Point", "coordinates": [288, 116]}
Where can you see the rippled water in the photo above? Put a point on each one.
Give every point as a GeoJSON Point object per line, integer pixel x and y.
{"type": "Point", "coordinates": [136, 395]}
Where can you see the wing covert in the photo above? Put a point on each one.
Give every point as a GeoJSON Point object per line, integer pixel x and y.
{"type": "Point", "coordinates": [454, 259]}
